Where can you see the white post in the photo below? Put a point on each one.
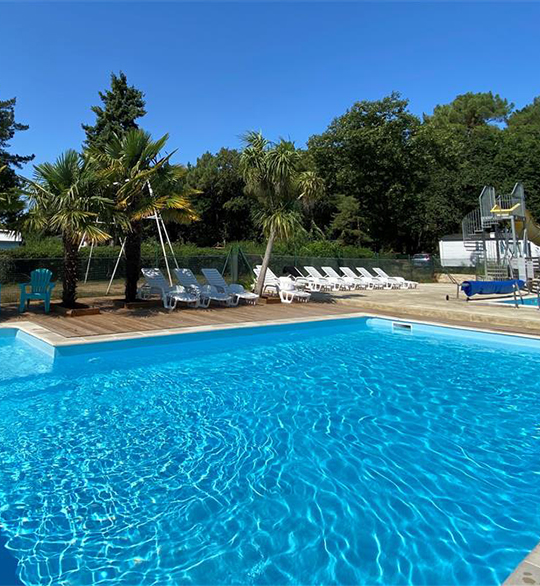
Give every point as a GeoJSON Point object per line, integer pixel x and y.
{"type": "Point", "coordinates": [163, 248]}
{"type": "Point", "coordinates": [116, 266]}
{"type": "Point", "coordinates": [89, 261]}
{"type": "Point", "coordinates": [169, 241]}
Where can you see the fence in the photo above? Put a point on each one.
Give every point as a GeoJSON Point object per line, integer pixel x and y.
{"type": "Point", "coordinates": [238, 267]}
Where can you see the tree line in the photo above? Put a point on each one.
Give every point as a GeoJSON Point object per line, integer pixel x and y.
{"type": "Point", "coordinates": [394, 182]}
{"type": "Point", "coordinates": [378, 177]}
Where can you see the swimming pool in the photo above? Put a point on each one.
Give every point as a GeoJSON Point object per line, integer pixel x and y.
{"type": "Point", "coordinates": [344, 452]}
{"type": "Point", "coordinates": [528, 301]}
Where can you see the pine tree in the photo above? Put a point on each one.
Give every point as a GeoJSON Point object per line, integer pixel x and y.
{"type": "Point", "coordinates": [122, 105]}
{"type": "Point", "coordinates": [10, 183]}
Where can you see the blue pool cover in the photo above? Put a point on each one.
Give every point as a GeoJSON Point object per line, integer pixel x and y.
{"type": "Point", "coordinates": [471, 288]}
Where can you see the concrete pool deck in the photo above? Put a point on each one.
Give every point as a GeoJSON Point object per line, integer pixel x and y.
{"type": "Point", "coordinates": [429, 301]}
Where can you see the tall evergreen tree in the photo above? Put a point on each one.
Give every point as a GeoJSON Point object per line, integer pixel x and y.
{"type": "Point", "coordinates": [10, 183]}
{"type": "Point", "coordinates": [122, 105]}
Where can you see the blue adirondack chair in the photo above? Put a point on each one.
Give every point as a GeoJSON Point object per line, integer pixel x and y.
{"type": "Point", "coordinates": [40, 287]}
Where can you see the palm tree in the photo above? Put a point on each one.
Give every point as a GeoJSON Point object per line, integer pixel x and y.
{"type": "Point", "coordinates": [66, 198]}
{"type": "Point", "coordinates": [142, 183]}
{"type": "Point", "coordinates": [275, 177]}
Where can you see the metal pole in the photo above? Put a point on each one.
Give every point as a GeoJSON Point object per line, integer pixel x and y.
{"type": "Point", "coordinates": [163, 248]}
{"type": "Point", "coordinates": [169, 241]}
{"type": "Point", "coordinates": [89, 261]}
{"type": "Point", "coordinates": [116, 266]}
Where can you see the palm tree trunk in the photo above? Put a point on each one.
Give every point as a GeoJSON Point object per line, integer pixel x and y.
{"type": "Point", "coordinates": [259, 288]}
{"type": "Point", "coordinates": [133, 260]}
{"type": "Point", "coordinates": [70, 271]}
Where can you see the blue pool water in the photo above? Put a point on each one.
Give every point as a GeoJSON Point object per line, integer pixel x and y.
{"type": "Point", "coordinates": [335, 453]}
{"type": "Point", "coordinates": [533, 301]}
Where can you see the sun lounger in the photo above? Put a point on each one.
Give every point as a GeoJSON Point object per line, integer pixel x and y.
{"type": "Point", "coordinates": [403, 283]}
{"type": "Point", "coordinates": [378, 283]}
{"type": "Point", "coordinates": [312, 283]}
{"type": "Point", "coordinates": [236, 291]}
{"type": "Point", "coordinates": [331, 273]}
{"type": "Point", "coordinates": [170, 295]}
{"type": "Point", "coordinates": [272, 280]}
{"type": "Point", "coordinates": [337, 284]}
{"type": "Point", "coordinates": [362, 281]}
{"type": "Point", "coordinates": [207, 293]}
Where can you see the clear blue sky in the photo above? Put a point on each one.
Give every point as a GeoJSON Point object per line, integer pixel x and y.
{"type": "Point", "coordinates": [211, 71]}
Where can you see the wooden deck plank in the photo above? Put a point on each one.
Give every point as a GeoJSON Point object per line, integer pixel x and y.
{"type": "Point", "coordinates": [118, 321]}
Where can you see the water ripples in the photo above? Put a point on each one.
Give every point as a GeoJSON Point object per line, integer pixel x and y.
{"type": "Point", "coordinates": [354, 458]}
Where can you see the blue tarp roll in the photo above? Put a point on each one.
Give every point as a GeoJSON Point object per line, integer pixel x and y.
{"type": "Point", "coordinates": [471, 288]}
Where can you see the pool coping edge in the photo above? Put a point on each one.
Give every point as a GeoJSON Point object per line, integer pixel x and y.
{"type": "Point", "coordinates": [56, 340]}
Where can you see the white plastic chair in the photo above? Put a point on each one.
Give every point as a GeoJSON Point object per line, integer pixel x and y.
{"type": "Point", "coordinates": [289, 293]}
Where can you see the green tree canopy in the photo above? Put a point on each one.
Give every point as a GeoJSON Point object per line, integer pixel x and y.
{"type": "Point", "coordinates": [225, 211]}
{"type": "Point", "coordinates": [370, 154]}
{"type": "Point", "coordinates": [122, 106]}
{"type": "Point", "coordinates": [10, 183]}
{"type": "Point", "coordinates": [471, 110]}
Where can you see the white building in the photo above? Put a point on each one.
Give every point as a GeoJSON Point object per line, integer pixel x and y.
{"type": "Point", "coordinates": [453, 252]}
{"type": "Point", "coordinates": [9, 239]}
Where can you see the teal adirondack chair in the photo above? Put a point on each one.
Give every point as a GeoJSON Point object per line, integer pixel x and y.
{"type": "Point", "coordinates": [40, 287]}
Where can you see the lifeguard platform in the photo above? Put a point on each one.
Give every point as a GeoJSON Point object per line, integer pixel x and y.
{"type": "Point", "coordinates": [498, 234]}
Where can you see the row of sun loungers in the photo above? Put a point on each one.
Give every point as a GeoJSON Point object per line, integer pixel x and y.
{"type": "Point", "coordinates": [293, 287]}
{"type": "Point", "coordinates": [331, 280]}
{"type": "Point", "coordinates": [191, 292]}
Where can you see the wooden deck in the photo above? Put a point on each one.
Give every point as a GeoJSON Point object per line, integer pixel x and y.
{"type": "Point", "coordinates": [120, 321]}
{"type": "Point", "coordinates": [430, 302]}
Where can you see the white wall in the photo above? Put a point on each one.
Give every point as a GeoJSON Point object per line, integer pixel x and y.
{"type": "Point", "coordinates": [454, 254]}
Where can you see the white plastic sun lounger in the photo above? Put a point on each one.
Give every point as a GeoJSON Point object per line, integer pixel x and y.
{"type": "Point", "coordinates": [273, 280]}
{"type": "Point", "coordinates": [362, 281]}
{"type": "Point", "coordinates": [157, 284]}
{"type": "Point", "coordinates": [403, 283]}
{"type": "Point", "coordinates": [389, 283]}
{"type": "Point", "coordinates": [337, 284]}
{"type": "Point", "coordinates": [289, 293]}
{"type": "Point", "coordinates": [285, 287]}
{"type": "Point", "coordinates": [378, 283]}
{"type": "Point", "coordinates": [313, 284]}
{"type": "Point", "coordinates": [236, 291]}
{"type": "Point", "coordinates": [207, 293]}
{"type": "Point", "coordinates": [331, 273]}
